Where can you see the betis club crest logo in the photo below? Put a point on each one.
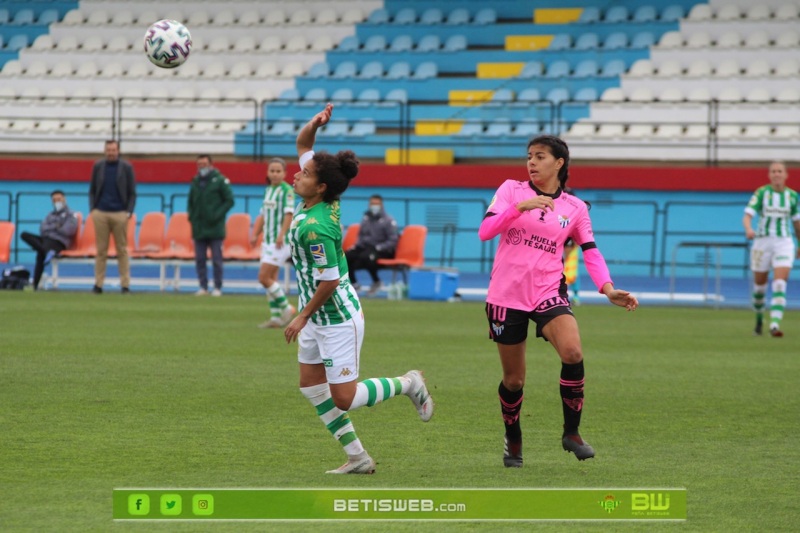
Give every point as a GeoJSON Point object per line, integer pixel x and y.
{"type": "Point", "coordinates": [609, 503]}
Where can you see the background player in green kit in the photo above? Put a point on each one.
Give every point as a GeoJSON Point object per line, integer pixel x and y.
{"type": "Point", "coordinates": [773, 245]}
{"type": "Point", "coordinates": [329, 327]}
{"type": "Point", "coordinates": [276, 216]}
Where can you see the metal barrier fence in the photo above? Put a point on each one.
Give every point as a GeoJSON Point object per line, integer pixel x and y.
{"type": "Point", "coordinates": [641, 235]}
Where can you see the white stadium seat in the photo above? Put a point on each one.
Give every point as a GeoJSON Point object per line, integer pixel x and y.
{"type": "Point", "coordinates": [37, 68]}
{"type": "Point", "coordinates": [671, 94]}
{"type": "Point", "coordinates": [296, 43]}
{"type": "Point", "coordinates": [246, 44]}
{"type": "Point", "coordinates": [139, 69]}
{"type": "Point", "coordinates": [759, 95]}
{"type": "Point", "coordinates": [118, 43]}
{"type": "Point", "coordinates": [270, 43]}
{"type": "Point", "coordinates": [730, 94]}
{"type": "Point", "coordinates": [322, 43]}
{"type": "Point", "coordinates": [190, 69]}
{"type": "Point", "coordinates": [43, 42]}
{"type": "Point", "coordinates": [267, 69]}
{"type": "Point", "coordinates": [326, 16]}
{"type": "Point", "coordinates": [758, 69]}
{"type": "Point", "coordinates": [696, 131]}
{"type": "Point", "coordinates": [197, 19]}
{"type": "Point", "coordinates": [219, 44]}
{"type": "Point", "coordinates": [175, 14]}
{"type": "Point", "coordinates": [112, 70]}
{"type": "Point", "coordinates": [728, 68]}
{"type": "Point", "coordinates": [240, 70]}
{"type": "Point", "coordinates": [352, 15]}
{"type": "Point", "coordinates": [93, 43]}
{"type": "Point", "coordinates": [637, 131]}
{"type": "Point", "coordinates": [758, 12]}
{"type": "Point", "coordinates": [610, 130]}
{"type": "Point", "coordinates": [758, 39]}
{"type": "Point", "coordinates": [670, 68]}
{"type": "Point", "coordinates": [146, 18]}
{"type": "Point", "coordinates": [671, 39]}
{"type": "Point", "coordinates": [251, 17]}
{"type": "Point", "coordinates": [97, 18]}
{"type": "Point", "coordinates": [698, 39]}
{"type": "Point", "coordinates": [787, 131]}
{"type": "Point", "coordinates": [729, 39]}
{"type": "Point", "coordinates": [729, 131]}
{"type": "Point", "coordinates": [86, 70]}
{"type": "Point", "coordinates": [67, 43]}
{"type": "Point", "coordinates": [787, 68]}
{"type": "Point", "coordinates": [224, 17]}
{"type": "Point", "coordinates": [214, 70]}
{"type": "Point", "coordinates": [275, 17]}
{"type": "Point", "coordinates": [787, 11]}
{"type": "Point", "coordinates": [699, 94]}
{"type": "Point", "coordinates": [291, 70]}
{"type": "Point", "coordinates": [582, 129]}
{"type": "Point", "coordinates": [788, 94]}
{"type": "Point", "coordinates": [122, 17]}
{"type": "Point", "coordinates": [49, 126]}
{"type": "Point", "coordinates": [669, 131]}
{"type": "Point", "coordinates": [787, 39]}
{"type": "Point", "coordinates": [613, 94]}
{"type": "Point", "coordinates": [700, 12]}
{"type": "Point", "coordinates": [728, 12]}
{"type": "Point", "coordinates": [641, 94]}
{"type": "Point", "coordinates": [699, 68]}
{"type": "Point", "coordinates": [73, 18]}
{"type": "Point", "coordinates": [11, 68]}
{"type": "Point", "coordinates": [641, 68]}
{"type": "Point", "coordinates": [301, 17]}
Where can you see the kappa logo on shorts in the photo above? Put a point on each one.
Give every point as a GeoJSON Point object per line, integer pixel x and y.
{"type": "Point", "coordinates": [318, 253]}
{"type": "Point", "coordinates": [498, 329]}
{"type": "Point", "coordinates": [345, 372]}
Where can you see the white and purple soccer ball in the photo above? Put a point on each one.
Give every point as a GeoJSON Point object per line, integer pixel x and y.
{"type": "Point", "coordinates": [167, 43]}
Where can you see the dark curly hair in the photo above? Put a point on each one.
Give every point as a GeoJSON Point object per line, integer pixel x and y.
{"type": "Point", "coordinates": [559, 150]}
{"type": "Point", "coordinates": [335, 171]}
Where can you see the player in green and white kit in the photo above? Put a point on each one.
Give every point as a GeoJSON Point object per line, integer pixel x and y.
{"type": "Point", "coordinates": [329, 328]}
{"type": "Point", "coordinates": [276, 216]}
{"type": "Point", "coordinates": [773, 245]}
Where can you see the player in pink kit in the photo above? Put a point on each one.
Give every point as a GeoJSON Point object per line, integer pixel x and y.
{"type": "Point", "coordinates": [534, 219]}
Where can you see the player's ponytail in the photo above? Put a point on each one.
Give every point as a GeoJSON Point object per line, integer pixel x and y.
{"type": "Point", "coordinates": [335, 171]}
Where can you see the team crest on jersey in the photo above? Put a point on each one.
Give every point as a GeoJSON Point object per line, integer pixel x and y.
{"type": "Point", "coordinates": [318, 253]}
{"type": "Point", "coordinates": [563, 221]}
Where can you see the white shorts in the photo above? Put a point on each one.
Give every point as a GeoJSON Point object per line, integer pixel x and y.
{"type": "Point", "coordinates": [272, 255]}
{"type": "Point", "coordinates": [337, 346]}
{"type": "Point", "coordinates": [771, 252]}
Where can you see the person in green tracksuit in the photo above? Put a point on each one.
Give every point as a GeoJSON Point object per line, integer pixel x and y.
{"type": "Point", "coordinates": [210, 199]}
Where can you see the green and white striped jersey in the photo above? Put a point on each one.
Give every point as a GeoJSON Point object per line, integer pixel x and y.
{"type": "Point", "coordinates": [278, 200]}
{"type": "Point", "coordinates": [316, 239]}
{"type": "Point", "coordinates": [775, 211]}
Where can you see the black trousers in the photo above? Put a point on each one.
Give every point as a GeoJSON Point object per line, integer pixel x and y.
{"type": "Point", "coordinates": [366, 258]}
{"type": "Point", "coordinates": [42, 245]}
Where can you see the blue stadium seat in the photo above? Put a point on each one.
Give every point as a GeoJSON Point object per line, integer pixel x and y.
{"type": "Point", "coordinates": [531, 94]}
{"type": "Point", "coordinates": [616, 40]}
{"type": "Point", "coordinates": [369, 95]}
{"type": "Point", "coordinates": [586, 68]}
{"type": "Point", "coordinates": [349, 44]}
{"type": "Point", "coordinates": [470, 129]}
{"type": "Point", "coordinates": [429, 43]}
{"type": "Point", "coordinates": [363, 127]}
{"type": "Point", "coordinates": [406, 15]}
{"type": "Point", "coordinates": [343, 94]}
{"type": "Point", "coordinates": [561, 41]}
{"type": "Point", "coordinates": [375, 43]}
{"type": "Point", "coordinates": [379, 16]}
{"type": "Point", "coordinates": [371, 70]}
{"type": "Point", "coordinates": [317, 94]}
{"type": "Point", "coordinates": [615, 67]}
{"type": "Point", "coordinates": [345, 69]}
{"type": "Point", "coordinates": [485, 16]}
{"type": "Point", "coordinates": [558, 69]}
{"type": "Point", "coordinates": [455, 43]}
{"type": "Point", "coordinates": [532, 69]}
{"type": "Point", "coordinates": [1, 44]}
{"type": "Point", "coordinates": [645, 13]}
{"type": "Point", "coordinates": [457, 17]}
{"type": "Point", "coordinates": [432, 16]}
{"type": "Point", "coordinates": [586, 94]}
{"type": "Point", "coordinates": [425, 70]}
{"type": "Point", "coordinates": [527, 129]}
{"type": "Point", "coordinates": [48, 16]}
{"type": "Point", "coordinates": [290, 94]}
{"type": "Point", "coordinates": [396, 95]}
{"type": "Point", "coordinates": [399, 70]}
{"type": "Point", "coordinates": [499, 127]}
{"type": "Point", "coordinates": [617, 14]}
{"type": "Point", "coordinates": [401, 43]}
{"type": "Point", "coordinates": [3, 16]}
{"type": "Point", "coordinates": [334, 127]}
{"type": "Point", "coordinates": [672, 13]}
{"type": "Point", "coordinates": [17, 42]}
{"type": "Point", "coordinates": [590, 14]}
{"type": "Point", "coordinates": [587, 41]}
{"type": "Point", "coordinates": [501, 97]}
{"type": "Point", "coordinates": [283, 126]}
{"type": "Point", "coordinates": [557, 95]}
{"type": "Point", "coordinates": [318, 70]}
{"type": "Point", "coordinates": [643, 39]}
{"type": "Point", "coordinates": [23, 17]}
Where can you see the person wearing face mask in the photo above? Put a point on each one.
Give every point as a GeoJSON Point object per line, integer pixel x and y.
{"type": "Point", "coordinates": [377, 239]}
{"type": "Point", "coordinates": [56, 232]}
{"type": "Point", "coordinates": [210, 199]}
{"type": "Point", "coordinates": [276, 216]}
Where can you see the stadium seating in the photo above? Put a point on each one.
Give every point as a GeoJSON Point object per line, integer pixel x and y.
{"type": "Point", "coordinates": [410, 252]}
{"type": "Point", "coordinates": [6, 236]}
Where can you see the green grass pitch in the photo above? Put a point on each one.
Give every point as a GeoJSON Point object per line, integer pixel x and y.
{"type": "Point", "coordinates": [162, 390]}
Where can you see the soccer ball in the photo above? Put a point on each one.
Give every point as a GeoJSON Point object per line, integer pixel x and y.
{"type": "Point", "coordinates": [167, 43]}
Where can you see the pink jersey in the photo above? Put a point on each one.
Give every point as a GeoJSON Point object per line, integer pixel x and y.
{"type": "Point", "coordinates": [528, 266]}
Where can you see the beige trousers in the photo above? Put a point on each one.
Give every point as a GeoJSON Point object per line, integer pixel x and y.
{"type": "Point", "coordinates": [105, 224]}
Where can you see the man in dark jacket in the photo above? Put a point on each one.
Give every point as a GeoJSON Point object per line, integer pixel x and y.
{"type": "Point", "coordinates": [57, 231]}
{"type": "Point", "coordinates": [112, 197]}
{"type": "Point", "coordinates": [210, 199]}
{"type": "Point", "coordinates": [377, 239]}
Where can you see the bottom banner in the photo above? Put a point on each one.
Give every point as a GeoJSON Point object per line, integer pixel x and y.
{"type": "Point", "coordinates": [400, 504]}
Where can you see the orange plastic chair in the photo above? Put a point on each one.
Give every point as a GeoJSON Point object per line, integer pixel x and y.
{"type": "Point", "coordinates": [350, 237]}
{"type": "Point", "coordinates": [131, 231]}
{"type": "Point", "coordinates": [255, 250]}
{"type": "Point", "coordinates": [6, 236]}
{"type": "Point", "coordinates": [236, 245]}
{"type": "Point", "coordinates": [178, 243]}
{"type": "Point", "coordinates": [85, 244]}
{"type": "Point", "coordinates": [410, 252]}
{"type": "Point", "coordinates": [151, 234]}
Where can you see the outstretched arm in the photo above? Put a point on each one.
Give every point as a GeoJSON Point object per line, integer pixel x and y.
{"type": "Point", "coordinates": [308, 133]}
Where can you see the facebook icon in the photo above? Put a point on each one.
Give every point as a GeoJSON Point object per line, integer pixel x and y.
{"type": "Point", "coordinates": [138, 504]}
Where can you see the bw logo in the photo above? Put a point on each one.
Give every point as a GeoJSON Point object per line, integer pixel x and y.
{"type": "Point", "coordinates": [345, 372]}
